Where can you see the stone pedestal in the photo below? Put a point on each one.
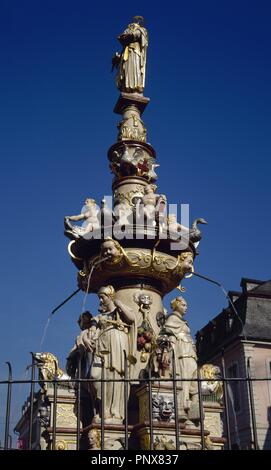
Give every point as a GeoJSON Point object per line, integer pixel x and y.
{"type": "Point", "coordinates": [164, 424]}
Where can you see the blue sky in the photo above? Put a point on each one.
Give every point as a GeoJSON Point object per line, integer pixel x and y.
{"type": "Point", "coordinates": [208, 77]}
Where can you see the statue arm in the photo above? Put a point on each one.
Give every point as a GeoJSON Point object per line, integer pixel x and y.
{"type": "Point", "coordinates": [86, 340]}
{"type": "Point", "coordinates": [75, 217]}
{"type": "Point", "coordinates": [126, 37]}
{"type": "Point", "coordinates": [127, 313]}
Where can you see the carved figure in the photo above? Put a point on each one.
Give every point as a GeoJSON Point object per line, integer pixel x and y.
{"type": "Point", "coordinates": [94, 439]}
{"type": "Point", "coordinates": [161, 358]}
{"type": "Point", "coordinates": [132, 126]}
{"type": "Point", "coordinates": [144, 301]}
{"type": "Point", "coordinates": [182, 343]}
{"type": "Point", "coordinates": [145, 333]}
{"type": "Point", "coordinates": [133, 162]}
{"type": "Point", "coordinates": [131, 63]}
{"type": "Point", "coordinates": [89, 215]}
{"type": "Point", "coordinates": [212, 385]}
{"type": "Point", "coordinates": [161, 318]}
{"type": "Point", "coordinates": [116, 334]}
{"type": "Point", "coordinates": [195, 233]}
{"type": "Point", "coordinates": [163, 408]}
{"type": "Point", "coordinates": [112, 250]}
{"type": "Point", "coordinates": [83, 347]}
{"type": "Point", "coordinates": [166, 408]}
{"type": "Point", "coordinates": [153, 206]}
{"type": "Point", "coordinates": [163, 443]}
{"type": "Point", "coordinates": [185, 264]}
{"type": "Point", "coordinates": [48, 367]}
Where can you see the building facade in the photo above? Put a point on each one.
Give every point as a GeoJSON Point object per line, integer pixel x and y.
{"type": "Point", "coordinates": [243, 336]}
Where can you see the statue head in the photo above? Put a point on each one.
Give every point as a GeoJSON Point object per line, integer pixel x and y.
{"type": "Point", "coordinates": [90, 202]}
{"type": "Point", "coordinates": [106, 295]}
{"type": "Point", "coordinates": [186, 261]}
{"type": "Point", "coordinates": [179, 305]}
{"type": "Point", "coordinates": [143, 299]}
{"type": "Point", "coordinates": [139, 20]}
{"type": "Point", "coordinates": [112, 250]}
{"type": "Point", "coordinates": [94, 439]}
{"type": "Point", "coordinates": [166, 408]}
{"type": "Point", "coordinates": [84, 320]}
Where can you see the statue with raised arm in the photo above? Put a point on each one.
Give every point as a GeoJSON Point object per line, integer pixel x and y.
{"type": "Point", "coordinates": [115, 337]}
{"type": "Point", "coordinates": [131, 63]}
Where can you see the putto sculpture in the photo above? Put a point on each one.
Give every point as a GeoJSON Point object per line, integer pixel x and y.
{"type": "Point", "coordinates": [89, 215]}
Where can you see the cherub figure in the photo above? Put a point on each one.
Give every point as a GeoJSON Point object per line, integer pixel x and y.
{"type": "Point", "coordinates": [153, 206]}
{"type": "Point", "coordinates": [112, 250]}
{"type": "Point", "coordinates": [89, 215]}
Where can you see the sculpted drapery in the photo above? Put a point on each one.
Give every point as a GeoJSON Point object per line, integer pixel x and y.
{"type": "Point", "coordinates": [132, 63]}
{"type": "Point", "coordinates": [116, 334]}
{"type": "Point", "coordinates": [184, 351]}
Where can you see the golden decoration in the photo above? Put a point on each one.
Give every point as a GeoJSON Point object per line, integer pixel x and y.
{"type": "Point", "coordinates": [126, 198]}
{"type": "Point", "coordinates": [143, 262]}
{"type": "Point", "coordinates": [70, 251]}
{"type": "Point", "coordinates": [61, 445]}
{"type": "Point", "coordinates": [187, 276]}
{"type": "Point", "coordinates": [65, 415]}
{"type": "Point", "coordinates": [49, 367]}
{"type": "Point", "coordinates": [181, 288]}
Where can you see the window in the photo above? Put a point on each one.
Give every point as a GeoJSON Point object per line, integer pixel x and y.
{"type": "Point", "coordinates": [234, 387]}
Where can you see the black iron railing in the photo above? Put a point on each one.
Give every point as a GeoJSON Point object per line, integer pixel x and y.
{"type": "Point", "coordinates": [149, 380]}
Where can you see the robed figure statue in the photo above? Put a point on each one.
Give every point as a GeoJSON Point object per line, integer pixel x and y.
{"type": "Point", "coordinates": [131, 63]}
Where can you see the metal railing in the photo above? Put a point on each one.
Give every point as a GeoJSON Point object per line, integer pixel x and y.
{"type": "Point", "coordinates": [149, 380]}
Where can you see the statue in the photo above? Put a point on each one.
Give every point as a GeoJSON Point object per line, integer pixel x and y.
{"type": "Point", "coordinates": [153, 206]}
{"type": "Point", "coordinates": [145, 333]}
{"type": "Point", "coordinates": [144, 301]}
{"type": "Point", "coordinates": [195, 233]}
{"type": "Point", "coordinates": [131, 63]}
{"type": "Point", "coordinates": [83, 347]}
{"type": "Point", "coordinates": [163, 408]}
{"type": "Point", "coordinates": [94, 441]}
{"type": "Point", "coordinates": [116, 335]}
{"type": "Point", "coordinates": [185, 263]}
{"type": "Point", "coordinates": [212, 385]}
{"type": "Point", "coordinates": [161, 358]}
{"type": "Point", "coordinates": [89, 215]}
{"type": "Point", "coordinates": [112, 250]}
{"type": "Point", "coordinates": [49, 369]}
{"type": "Point", "coordinates": [176, 328]}
{"type": "Point", "coordinates": [83, 351]}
